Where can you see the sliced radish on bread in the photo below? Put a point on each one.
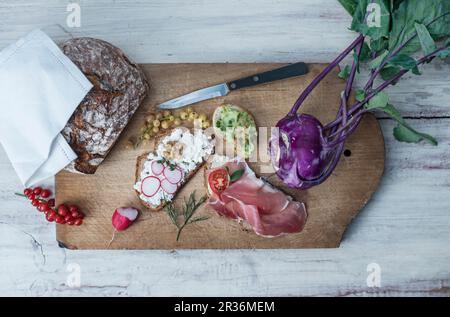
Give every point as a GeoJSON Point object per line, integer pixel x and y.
{"type": "Point", "coordinates": [157, 167]}
{"type": "Point", "coordinates": [168, 187]}
{"type": "Point", "coordinates": [150, 186]}
{"type": "Point", "coordinates": [173, 175]}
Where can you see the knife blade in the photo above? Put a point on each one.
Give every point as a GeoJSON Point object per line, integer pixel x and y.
{"type": "Point", "coordinates": [220, 90]}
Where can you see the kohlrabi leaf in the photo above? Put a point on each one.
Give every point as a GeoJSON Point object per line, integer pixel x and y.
{"type": "Point", "coordinates": [395, 4]}
{"type": "Point", "coordinates": [389, 71]}
{"type": "Point", "coordinates": [345, 72]}
{"type": "Point", "coordinates": [445, 53]}
{"type": "Point", "coordinates": [380, 100]}
{"type": "Point", "coordinates": [416, 71]}
{"type": "Point", "coordinates": [360, 95]}
{"type": "Point", "coordinates": [418, 11]}
{"type": "Point", "coordinates": [403, 61]}
{"type": "Point", "coordinates": [377, 61]}
{"type": "Point", "coordinates": [404, 133]}
{"type": "Point", "coordinates": [349, 5]}
{"type": "Point", "coordinates": [378, 15]}
{"type": "Point", "coordinates": [365, 53]}
{"type": "Point", "coordinates": [379, 45]}
{"type": "Point", "coordinates": [425, 39]}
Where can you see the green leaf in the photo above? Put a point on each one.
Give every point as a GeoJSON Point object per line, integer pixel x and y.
{"type": "Point", "coordinates": [389, 71]}
{"type": "Point", "coordinates": [392, 112]}
{"type": "Point", "coordinates": [404, 133]}
{"type": "Point", "coordinates": [403, 61]}
{"type": "Point", "coordinates": [377, 61]}
{"type": "Point", "coordinates": [370, 27]}
{"type": "Point", "coordinates": [426, 41]}
{"type": "Point", "coordinates": [418, 11]}
{"type": "Point", "coordinates": [379, 44]}
{"type": "Point", "coordinates": [365, 53]}
{"type": "Point", "coordinates": [360, 95]}
{"type": "Point", "coordinates": [236, 175]}
{"type": "Point", "coordinates": [345, 72]}
{"type": "Point", "coordinates": [380, 100]}
{"type": "Point", "coordinates": [349, 5]}
{"type": "Point", "coordinates": [416, 71]}
{"type": "Point", "coordinates": [445, 53]}
{"type": "Point", "coordinates": [395, 4]}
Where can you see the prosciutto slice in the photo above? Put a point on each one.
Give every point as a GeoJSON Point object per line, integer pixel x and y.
{"type": "Point", "coordinates": [266, 209]}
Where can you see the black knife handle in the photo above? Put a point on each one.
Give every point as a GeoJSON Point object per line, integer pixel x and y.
{"type": "Point", "coordinates": [287, 71]}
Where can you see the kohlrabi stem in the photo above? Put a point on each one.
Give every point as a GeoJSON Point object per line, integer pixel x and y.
{"type": "Point", "coordinates": [342, 128]}
{"type": "Point", "coordinates": [348, 129]}
{"type": "Point", "coordinates": [394, 52]}
{"type": "Point", "coordinates": [324, 72]}
{"type": "Point", "coordinates": [359, 104]}
{"type": "Point", "coordinates": [369, 84]}
{"type": "Point", "coordinates": [349, 84]}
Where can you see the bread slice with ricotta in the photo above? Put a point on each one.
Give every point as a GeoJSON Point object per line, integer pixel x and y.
{"type": "Point", "coordinates": [178, 155]}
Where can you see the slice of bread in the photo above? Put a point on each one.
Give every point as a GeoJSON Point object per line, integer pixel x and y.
{"type": "Point", "coordinates": [217, 116]}
{"type": "Point", "coordinates": [224, 145]}
{"type": "Point", "coordinates": [140, 161]}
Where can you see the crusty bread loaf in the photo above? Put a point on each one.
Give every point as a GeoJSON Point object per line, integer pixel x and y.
{"type": "Point", "coordinates": [140, 165]}
{"type": "Point", "coordinates": [119, 88]}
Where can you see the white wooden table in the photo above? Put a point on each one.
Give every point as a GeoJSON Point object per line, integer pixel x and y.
{"type": "Point", "coordinates": [405, 228]}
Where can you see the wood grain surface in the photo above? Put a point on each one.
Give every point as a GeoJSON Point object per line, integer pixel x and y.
{"type": "Point", "coordinates": [331, 206]}
{"type": "Point", "coordinates": [405, 228]}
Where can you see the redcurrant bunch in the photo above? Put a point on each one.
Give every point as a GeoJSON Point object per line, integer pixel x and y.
{"type": "Point", "coordinates": [63, 214]}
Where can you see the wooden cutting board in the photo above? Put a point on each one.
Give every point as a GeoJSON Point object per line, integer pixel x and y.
{"type": "Point", "coordinates": [331, 205]}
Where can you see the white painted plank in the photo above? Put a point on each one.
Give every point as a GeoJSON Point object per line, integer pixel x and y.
{"type": "Point", "coordinates": [196, 30]}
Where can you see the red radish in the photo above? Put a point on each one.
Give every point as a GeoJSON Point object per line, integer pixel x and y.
{"type": "Point", "coordinates": [122, 218]}
{"type": "Point", "coordinates": [150, 186]}
{"type": "Point", "coordinates": [168, 187]}
{"type": "Point", "coordinates": [157, 167]}
{"type": "Point", "coordinates": [173, 175]}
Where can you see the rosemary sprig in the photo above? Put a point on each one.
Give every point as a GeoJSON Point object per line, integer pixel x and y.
{"type": "Point", "coordinates": [187, 212]}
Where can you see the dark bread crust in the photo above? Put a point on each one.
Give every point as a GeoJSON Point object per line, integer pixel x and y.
{"type": "Point", "coordinates": [120, 86]}
{"type": "Point", "coordinates": [141, 159]}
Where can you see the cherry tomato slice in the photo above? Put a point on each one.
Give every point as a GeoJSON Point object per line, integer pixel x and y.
{"type": "Point", "coordinates": [218, 180]}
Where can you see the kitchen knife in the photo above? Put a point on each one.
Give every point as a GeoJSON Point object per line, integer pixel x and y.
{"type": "Point", "coordinates": [291, 70]}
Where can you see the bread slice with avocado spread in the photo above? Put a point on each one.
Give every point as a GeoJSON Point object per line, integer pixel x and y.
{"type": "Point", "coordinates": [236, 127]}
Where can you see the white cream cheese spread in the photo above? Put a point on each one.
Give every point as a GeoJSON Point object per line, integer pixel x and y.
{"type": "Point", "coordinates": [180, 149]}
